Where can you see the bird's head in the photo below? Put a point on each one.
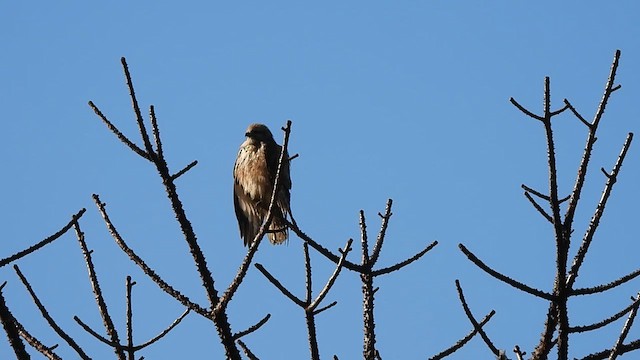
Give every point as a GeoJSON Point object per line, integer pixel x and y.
{"type": "Point", "coordinates": [259, 132]}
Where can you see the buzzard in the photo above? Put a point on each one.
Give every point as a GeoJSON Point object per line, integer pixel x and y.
{"type": "Point", "coordinates": [254, 175]}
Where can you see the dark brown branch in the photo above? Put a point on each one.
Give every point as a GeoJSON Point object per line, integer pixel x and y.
{"type": "Point", "coordinates": [519, 354]}
{"type": "Point", "coordinates": [44, 242]}
{"type": "Point", "coordinates": [247, 352]}
{"type": "Point", "coordinates": [163, 285]}
{"type": "Point", "coordinates": [364, 240]}
{"type": "Point", "coordinates": [45, 314]}
{"type": "Point", "coordinates": [577, 114]}
{"type": "Point", "coordinates": [404, 263]}
{"type": "Point", "coordinates": [605, 287]}
{"type": "Point", "coordinates": [582, 169]}
{"type": "Point", "coordinates": [322, 250]}
{"type": "Point", "coordinates": [134, 101]}
{"type": "Point", "coordinates": [244, 267]}
{"type": "Point", "coordinates": [518, 285]}
{"type": "Point", "coordinates": [606, 321]}
{"type": "Point", "coordinates": [156, 132]}
{"type": "Point", "coordinates": [474, 322]}
{"type": "Point", "coordinates": [525, 111]}
{"type": "Point", "coordinates": [538, 207]}
{"type": "Point", "coordinates": [464, 340]}
{"type": "Point", "coordinates": [318, 311]}
{"type": "Point", "coordinates": [253, 328]}
{"type": "Point", "coordinates": [181, 172]}
{"type": "Point", "coordinates": [595, 220]}
{"type": "Point", "coordinates": [129, 285]}
{"type": "Point", "coordinates": [535, 192]}
{"type": "Point", "coordinates": [118, 134]}
{"type": "Point", "coordinates": [307, 268]}
{"type": "Point", "coordinates": [95, 285]}
{"type": "Point", "coordinates": [95, 334]}
{"type": "Point", "coordinates": [164, 332]}
{"type": "Point", "coordinates": [35, 343]}
{"type": "Point", "coordinates": [10, 328]}
{"type": "Point", "coordinates": [383, 231]}
{"type": "Point", "coordinates": [615, 352]}
{"type": "Point", "coordinates": [332, 279]}
{"type": "Point", "coordinates": [624, 348]}
{"type": "Point", "coordinates": [559, 111]}
{"type": "Point", "coordinates": [279, 285]}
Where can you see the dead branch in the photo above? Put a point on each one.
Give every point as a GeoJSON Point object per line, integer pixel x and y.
{"type": "Point", "coordinates": [95, 285]}
{"type": "Point", "coordinates": [474, 322]}
{"type": "Point", "coordinates": [464, 340]}
{"type": "Point", "coordinates": [252, 328]}
{"type": "Point", "coordinates": [163, 285]}
{"type": "Point", "coordinates": [47, 351]}
{"type": "Point", "coordinates": [10, 328]}
{"type": "Point", "coordinates": [516, 284]}
{"type": "Point", "coordinates": [44, 242]}
{"type": "Point", "coordinates": [45, 314]}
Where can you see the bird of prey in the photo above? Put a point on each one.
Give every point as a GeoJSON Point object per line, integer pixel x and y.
{"type": "Point", "coordinates": [254, 175]}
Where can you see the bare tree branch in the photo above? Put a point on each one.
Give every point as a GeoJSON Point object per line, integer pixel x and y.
{"type": "Point", "coordinates": [163, 285]}
{"type": "Point", "coordinates": [253, 328]}
{"type": "Point", "coordinates": [44, 242]}
{"type": "Point", "coordinates": [605, 287]}
{"type": "Point", "coordinates": [464, 340]}
{"type": "Point", "coordinates": [518, 285]}
{"type": "Point", "coordinates": [35, 343]}
{"type": "Point", "coordinates": [474, 322]}
{"type": "Point", "coordinates": [606, 321]}
{"type": "Point", "coordinates": [119, 134]}
{"type": "Point", "coordinates": [95, 285]}
{"type": "Point", "coordinates": [404, 263]}
{"type": "Point", "coordinates": [10, 328]}
{"type": "Point", "coordinates": [45, 314]}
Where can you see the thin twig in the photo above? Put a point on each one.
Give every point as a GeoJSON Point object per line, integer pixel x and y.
{"type": "Point", "coordinates": [252, 328]}
{"type": "Point", "coordinates": [518, 285]}
{"type": "Point", "coordinates": [10, 328]}
{"type": "Point", "coordinates": [156, 132]}
{"type": "Point", "coordinates": [35, 343]}
{"type": "Point", "coordinates": [163, 332]}
{"type": "Point", "coordinates": [247, 352]}
{"type": "Point", "coordinates": [605, 287]}
{"type": "Point", "coordinates": [45, 314]}
{"type": "Point", "coordinates": [95, 285]}
{"type": "Point", "coordinates": [615, 352]}
{"type": "Point", "coordinates": [163, 285]}
{"type": "Point", "coordinates": [383, 231]}
{"type": "Point", "coordinates": [525, 111]}
{"type": "Point", "coordinates": [187, 168]}
{"type": "Point", "coordinates": [44, 242]}
{"type": "Point", "coordinates": [577, 114]}
{"type": "Point", "coordinates": [135, 148]}
{"type": "Point", "coordinates": [404, 263]}
{"type": "Point", "coordinates": [538, 207]}
{"type": "Point", "coordinates": [595, 220]}
{"type": "Point", "coordinates": [474, 322]}
{"type": "Point", "coordinates": [136, 108]}
{"type": "Point", "coordinates": [464, 340]}
{"type": "Point", "coordinates": [606, 321]}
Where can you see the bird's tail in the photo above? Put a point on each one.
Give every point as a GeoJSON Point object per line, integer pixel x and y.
{"type": "Point", "coordinates": [278, 231]}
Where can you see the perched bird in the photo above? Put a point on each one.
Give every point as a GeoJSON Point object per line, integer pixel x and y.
{"type": "Point", "coordinates": [254, 175]}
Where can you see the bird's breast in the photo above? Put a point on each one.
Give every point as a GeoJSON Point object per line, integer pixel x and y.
{"type": "Point", "coordinates": [252, 174]}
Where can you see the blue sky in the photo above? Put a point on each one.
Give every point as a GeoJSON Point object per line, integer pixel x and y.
{"type": "Point", "coordinates": [388, 100]}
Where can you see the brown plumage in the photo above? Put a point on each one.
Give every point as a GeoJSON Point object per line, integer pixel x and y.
{"type": "Point", "coordinates": [254, 174]}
